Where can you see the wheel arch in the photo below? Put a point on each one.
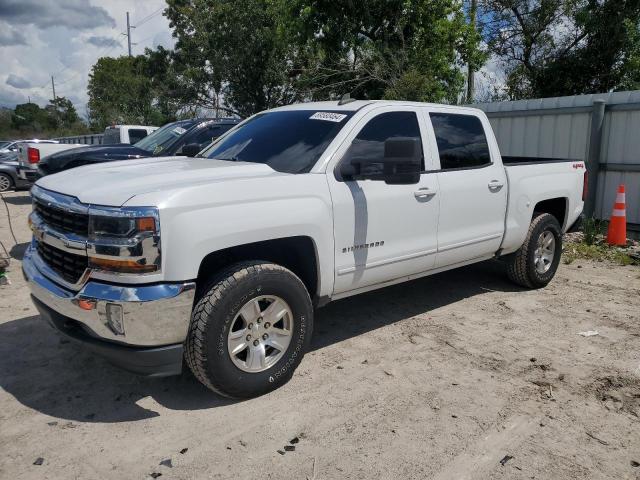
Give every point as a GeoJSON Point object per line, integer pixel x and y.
{"type": "Point", "coordinates": [557, 207]}
{"type": "Point", "coordinates": [298, 254]}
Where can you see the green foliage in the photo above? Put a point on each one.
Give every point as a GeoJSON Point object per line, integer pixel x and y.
{"type": "Point", "coordinates": [58, 118]}
{"type": "Point", "coordinates": [259, 54]}
{"type": "Point", "coordinates": [134, 90]}
{"type": "Point", "coordinates": [231, 49]}
{"type": "Point", "coordinates": [394, 49]}
{"type": "Point", "coordinates": [592, 230]}
{"type": "Point", "coordinates": [600, 253]}
{"type": "Point", "coordinates": [565, 47]}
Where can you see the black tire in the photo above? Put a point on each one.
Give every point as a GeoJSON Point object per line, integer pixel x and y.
{"type": "Point", "coordinates": [6, 182]}
{"type": "Point", "coordinates": [521, 266]}
{"type": "Point", "coordinates": [213, 315]}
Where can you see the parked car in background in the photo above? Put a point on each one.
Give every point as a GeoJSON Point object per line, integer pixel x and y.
{"type": "Point", "coordinates": [128, 134]}
{"type": "Point", "coordinates": [9, 178]}
{"type": "Point", "coordinates": [184, 137]}
{"type": "Point", "coordinates": [31, 153]}
{"type": "Point", "coordinates": [12, 146]}
{"type": "Point", "coordinates": [218, 261]}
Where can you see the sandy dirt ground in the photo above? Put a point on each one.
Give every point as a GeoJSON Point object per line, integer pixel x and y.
{"type": "Point", "coordinates": [458, 376]}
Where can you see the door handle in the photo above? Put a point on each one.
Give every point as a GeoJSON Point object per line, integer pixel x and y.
{"type": "Point", "coordinates": [495, 185]}
{"type": "Point", "coordinates": [424, 193]}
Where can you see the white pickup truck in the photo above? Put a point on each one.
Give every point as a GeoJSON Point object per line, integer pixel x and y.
{"type": "Point", "coordinates": [30, 154]}
{"type": "Point", "coordinates": [220, 261]}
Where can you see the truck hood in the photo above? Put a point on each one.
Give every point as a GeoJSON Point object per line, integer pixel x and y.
{"type": "Point", "coordinates": [90, 154]}
{"type": "Point", "coordinates": [112, 184]}
{"type": "Point", "coordinates": [116, 151]}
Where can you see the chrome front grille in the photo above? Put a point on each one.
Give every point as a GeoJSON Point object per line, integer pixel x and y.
{"type": "Point", "coordinates": [69, 266]}
{"type": "Point", "coordinates": [62, 220]}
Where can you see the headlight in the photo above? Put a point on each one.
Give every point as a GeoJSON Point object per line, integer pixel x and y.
{"type": "Point", "coordinates": [124, 240]}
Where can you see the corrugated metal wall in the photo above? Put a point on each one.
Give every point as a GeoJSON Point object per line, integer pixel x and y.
{"type": "Point", "coordinates": [561, 127]}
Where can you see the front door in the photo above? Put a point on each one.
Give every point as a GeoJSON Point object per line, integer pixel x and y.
{"type": "Point", "coordinates": [382, 232]}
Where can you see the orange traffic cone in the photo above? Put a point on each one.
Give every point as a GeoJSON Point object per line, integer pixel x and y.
{"type": "Point", "coordinates": [617, 234]}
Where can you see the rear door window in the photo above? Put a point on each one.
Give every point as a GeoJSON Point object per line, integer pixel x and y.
{"type": "Point", "coordinates": [461, 141]}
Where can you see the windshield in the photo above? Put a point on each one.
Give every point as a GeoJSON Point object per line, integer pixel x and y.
{"type": "Point", "coordinates": [158, 141]}
{"type": "Point", "coordinates": [289, 141]}
{"type": "Point", "coordinates": [4, 144]}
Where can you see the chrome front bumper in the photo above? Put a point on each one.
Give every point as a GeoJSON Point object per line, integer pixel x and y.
{"type": "Point", "coordinates": [154, 315]}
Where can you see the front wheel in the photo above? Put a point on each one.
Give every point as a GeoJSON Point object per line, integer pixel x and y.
{"type": "Point", "coordinates": [249, 330]}
{"type": "Point", "coordinates": [535, 263]}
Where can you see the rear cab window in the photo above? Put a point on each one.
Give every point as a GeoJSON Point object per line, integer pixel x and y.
{"type": "Point", "coordinates": [461, 140]}
{"type": "Point", "coordinates": [136, 134]}
{"type": "Point", "coordinates": [111, 136]}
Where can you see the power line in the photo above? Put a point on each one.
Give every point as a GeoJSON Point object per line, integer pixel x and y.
{"type": "Point", "coordinates": [149, 17]}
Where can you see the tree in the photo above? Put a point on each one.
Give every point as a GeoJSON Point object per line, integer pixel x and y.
{"type": "Point", "coordinates": [130, 90]}
{"type": "Point", "coordinates": [61, 113]}
{"type": "Point", "coordinates": [397, 49]}
{"type": "Point", "coordinates": [230, 56]}
{"type": "Point", "coordinates": [565, 47]}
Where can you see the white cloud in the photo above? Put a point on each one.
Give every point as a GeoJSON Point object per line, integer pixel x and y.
{"type": "Point", "coordinates": [10, 36]}
{"type": "Point", "coordinates": [17, 82]}
{"type": "Point", "coordinates": [66, 40]}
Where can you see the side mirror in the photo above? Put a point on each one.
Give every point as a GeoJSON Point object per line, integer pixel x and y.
{"type": "Point", "coordinates": [191, 150]}
{"type": "Point", "coordinates": [402, 161]}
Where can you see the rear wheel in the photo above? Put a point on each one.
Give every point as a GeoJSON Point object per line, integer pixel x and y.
{"type": "Point", "coordinates": [535, 263]}
{"type": "Point", "coordinates": [5, 182]}
{"type": "Point", "coordinates": [249, 330]}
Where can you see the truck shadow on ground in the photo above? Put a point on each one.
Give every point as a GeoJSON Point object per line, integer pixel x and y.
{"type": "Point", "coordinates": [48, 373]}
{"type": "Point", "coordinates": [18, 200]}
{"type": "Point", "coordinates": [17, 251]}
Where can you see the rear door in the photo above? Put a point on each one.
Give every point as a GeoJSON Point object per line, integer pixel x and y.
{"type": "Point", "coordinates": [382, 232]}
{"type": "Point", "coordinates": [473, 187]}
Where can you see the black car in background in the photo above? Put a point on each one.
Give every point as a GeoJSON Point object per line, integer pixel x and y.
{"type": "Point", "coordinates": [184, 137]}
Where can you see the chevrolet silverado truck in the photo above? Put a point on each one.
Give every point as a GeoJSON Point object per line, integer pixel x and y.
{"type": "Point", "coordinates": [219, 261]}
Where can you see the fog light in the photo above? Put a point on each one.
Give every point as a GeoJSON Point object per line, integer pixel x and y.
{"type": "Point", "coordinates": [115, 318]}
{"type": "Point", "coordinates": [86, 304]}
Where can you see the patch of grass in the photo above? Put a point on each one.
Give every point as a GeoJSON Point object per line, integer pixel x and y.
{"type": "Point", "coordinates": [599, 252]}
{"type": "Point", "coordinates": [593, 229]}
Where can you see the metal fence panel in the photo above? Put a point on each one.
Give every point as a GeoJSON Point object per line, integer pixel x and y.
{"type": "Point", "coordinates": [561, 127]}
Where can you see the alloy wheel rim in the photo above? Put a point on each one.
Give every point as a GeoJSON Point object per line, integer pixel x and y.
{"type": "Point", "coordinates": [4, 183]}
{"type": "Point", "coordinates": [260, 333]}
{"type": "Point", "coordinates": [545, 252]}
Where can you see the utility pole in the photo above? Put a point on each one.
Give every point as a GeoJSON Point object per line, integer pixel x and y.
{"type": "Point", "coordinates": [53, 87]}
{"type": "Point", "coordinates": [129, 34]}
{"type": "Point", "coordinates": [473, 10]}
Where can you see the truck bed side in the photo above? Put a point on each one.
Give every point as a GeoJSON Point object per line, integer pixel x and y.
{"type": "Point", "coordinates": [549, 185]}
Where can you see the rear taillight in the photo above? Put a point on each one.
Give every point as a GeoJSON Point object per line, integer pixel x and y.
{"type": "Point", "coordinates": [33, 154]}
{"type": "Point", "coordinates": [585, 185]}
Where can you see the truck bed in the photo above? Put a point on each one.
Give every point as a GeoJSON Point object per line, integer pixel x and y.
{"type": "Point", "coordinates": [532, 180]}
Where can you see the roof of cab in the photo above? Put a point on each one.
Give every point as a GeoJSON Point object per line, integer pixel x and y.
{"type": "Point", "coordinates": [355, 105]}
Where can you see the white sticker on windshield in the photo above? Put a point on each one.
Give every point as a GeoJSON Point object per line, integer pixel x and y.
{"type": "Point", "coordinates": [179, 130]}
{"type": "Point", "coordinates": [328, 116]}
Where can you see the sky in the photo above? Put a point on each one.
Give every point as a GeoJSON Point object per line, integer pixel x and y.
{"type": "Point", "coordinates": [64, 38]}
